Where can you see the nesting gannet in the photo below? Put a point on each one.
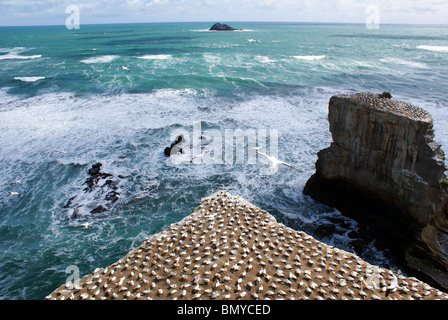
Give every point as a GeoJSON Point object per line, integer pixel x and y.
{"type": "Point", "coordinates": [392, 287]}
{"type": "Point", "coordinates": [274, 161]}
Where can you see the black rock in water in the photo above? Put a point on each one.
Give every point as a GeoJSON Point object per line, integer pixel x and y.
{"type": "Point", "coordinates": [175, 147]}
{"type": "Point", "coordinates": [100, 194]}
{"type": "Point", "coordinates": [99, 209]}
{"type": "Point", "coordinates": [222, 27]}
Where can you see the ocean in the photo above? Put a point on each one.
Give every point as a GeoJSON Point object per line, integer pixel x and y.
{"type": "Point", "coordinates": [117, 95]}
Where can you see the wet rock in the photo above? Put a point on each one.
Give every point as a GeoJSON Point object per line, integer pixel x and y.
{"type": "Point", "coordinates": [358, 245]}
{"type": "Point", "coordinates": [176, 147]}
{"type": "Point", "coordinates": [69, 202]}
{"type": "Point", "coordinates": [95, 170]}
{"type": "Point", "coordinates": [100, 194]}
{"type": "Point", "coordinates": [112, 197]}
{"type": "Point", "coordinates": [99, 209]}
{"type": "Point", "coordinates": [325, 229]}
{"type": "Point", "coordinates": [167, 151]}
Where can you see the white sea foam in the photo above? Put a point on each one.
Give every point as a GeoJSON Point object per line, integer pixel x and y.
{"type": "Point", "coordinates": [100, 59]}
{"type": "Point", "coordinates": [156, 57]}
{"type": "Point", "coordinates": [16, 56]}
{"type": "Point", "coordinates": [399, 61]}
{"type": "Point", "coordinates": [264, 59]}
{"type": "Point", "coordinates": [5, 97]}
{"type": "Point", "coordinates": [310, 58]}
{"type": "Point", "coordinates": [434, 48]}
{"type": "Point", "coordinates": [29, 79]}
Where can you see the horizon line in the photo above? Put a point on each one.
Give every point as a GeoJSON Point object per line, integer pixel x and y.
{"type": "Point", "coordinates": [234, 21]}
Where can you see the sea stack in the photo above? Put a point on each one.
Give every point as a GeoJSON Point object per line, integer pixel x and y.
{"type": "Point", "coordinates": [384, 168]}
{"type": "Point", "coordinates": [222, 27]}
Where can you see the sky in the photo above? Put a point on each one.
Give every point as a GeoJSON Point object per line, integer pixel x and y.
{"type": "Point", "coordinates": [53, 12]}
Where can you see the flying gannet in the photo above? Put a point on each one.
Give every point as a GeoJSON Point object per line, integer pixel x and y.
{"type": "Point", "coordinates": [274, 161]}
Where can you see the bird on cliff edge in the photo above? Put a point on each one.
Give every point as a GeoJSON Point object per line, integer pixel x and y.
{"type": "Point", "coordinates": [274, 161]}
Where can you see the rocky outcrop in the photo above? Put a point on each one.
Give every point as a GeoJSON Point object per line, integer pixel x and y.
{"type": "Point", "coordinates": [228, 249]}
{"type": "Point", "coordinates": [384, 168]}
{"type": "Point", "coordinates": [100, 194]}
{"type": "Point", "coordinates": [222, 27]}
{"type": "Point", "coordinates": [176, 147]}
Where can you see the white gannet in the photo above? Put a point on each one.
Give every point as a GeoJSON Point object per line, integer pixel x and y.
{"type": "Point", "coordinates": [274, 161]}
{"type": "Point", "coordinates": [14, 194]}
{"type": "Point", "coordinates": [392, 287]}
{"type": "Point", "coordinates": [85, 225]}
{"type": "Point", "coordinates": [200, 156]}
{"type": "Point", "coordinates": [17, 181]}
{"type": "Point", "coordinates": [125, 68]}
{"type": "Point", "coordinates": [60, 151]}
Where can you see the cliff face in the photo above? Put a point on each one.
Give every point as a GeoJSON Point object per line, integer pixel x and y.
{"type": "Point", "coordinates": [384, 166]}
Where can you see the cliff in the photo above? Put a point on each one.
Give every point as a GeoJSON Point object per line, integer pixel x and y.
{"type": "Point", "coordinates": [230, 249]}
{"type": "Point", "coordinates": [383, 167]}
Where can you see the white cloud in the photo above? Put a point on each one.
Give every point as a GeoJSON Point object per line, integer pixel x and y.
{"type": "Point", "coordinates": [100, 11]}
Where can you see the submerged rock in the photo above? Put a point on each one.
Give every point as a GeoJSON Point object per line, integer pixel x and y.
{"type": "Point", "coordinates": [383, 167]}
{"type": "Point", "coordinates": [100, 193]}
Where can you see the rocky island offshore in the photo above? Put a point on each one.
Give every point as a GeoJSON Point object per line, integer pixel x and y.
{"type": "Point", "coordinates": [222, 27]}
{"type": "Point", "coordinates": [384, 168]}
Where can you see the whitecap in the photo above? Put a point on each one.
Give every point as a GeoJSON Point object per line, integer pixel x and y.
{"type": "Point", "coordinates": [405, 63]}
{"type": "Point", "coordinates": [28, 79]}
{"type": "Point", "coordinates": [264, 59]}
{"type": "Point", "coordinates": [434, 48]}
{"type": "Point", "coordinates": [100, 59]}
{"type": "Point", "coordinates": [156, 56]}
{"type": "Point", "coordinates": [15, 56]}
{"type": "Point", "coordinates": [309, 58]}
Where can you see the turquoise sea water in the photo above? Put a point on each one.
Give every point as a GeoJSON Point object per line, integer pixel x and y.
{"type": "Point", "coordinates": [115, 94]}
